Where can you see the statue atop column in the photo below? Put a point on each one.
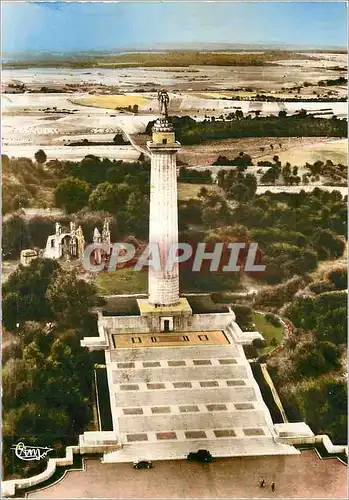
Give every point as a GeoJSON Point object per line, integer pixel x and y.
{"type": "Point", "coordinates": [164, 101]}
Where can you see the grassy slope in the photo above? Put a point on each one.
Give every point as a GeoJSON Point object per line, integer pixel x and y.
{"type": "Point", "coordinates": [268, 331]}
{"type": "Point", "coordinates": [122, 281]}
{"type": "Point", "coordinates": [186, 191]}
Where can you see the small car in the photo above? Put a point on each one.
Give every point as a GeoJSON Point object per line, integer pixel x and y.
{"type": "Point", "coordinates": [143, 464]}
{"type": "Point", "coordinates": [202, 456]}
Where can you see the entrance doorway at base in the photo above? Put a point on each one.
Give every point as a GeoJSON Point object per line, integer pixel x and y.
{"type": "Point", "coordinates": [166, 324]}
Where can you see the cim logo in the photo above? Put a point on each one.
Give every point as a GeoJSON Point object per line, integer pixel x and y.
{"type": "Point", "coordinates": [29, 453]}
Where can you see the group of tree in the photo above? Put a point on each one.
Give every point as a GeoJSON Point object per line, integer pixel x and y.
{"type": "Point", "coordinates": [294, 231]}
{"type": "Point", "coordinates": [188, 131]}
{"type": "Point", "coordinates": [311, 382]}
{"type": "Point", "coordinates": [242, 161]}
{"type": "Point", "coordinates": [43, 291]}
{"type": "Point", "coordinates": [25, 182]}
{"type": "Point", "coordinates": [237, 186]}
{"type": "Point", "coordinates": [116, 187]}
{"type": "Point", "coordinates": [325, 314]}
{"type": "Point", "coordinates": [47, 376]}
{"type": "Point", "coordinates": [334, 81]}
{"type": "Point", "coordinates": [195, 176]}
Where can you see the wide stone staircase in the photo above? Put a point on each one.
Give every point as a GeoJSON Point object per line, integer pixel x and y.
{"type": "Point", "coordinates": [169, 401]}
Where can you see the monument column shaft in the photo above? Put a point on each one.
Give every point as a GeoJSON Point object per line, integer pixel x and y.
{"type": "Point", "coordinates": [163, 224]}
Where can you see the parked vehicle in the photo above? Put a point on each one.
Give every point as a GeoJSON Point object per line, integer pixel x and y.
{"type": "Point", "coordinates": [202, 456]}
{"type": "Point", "coordinates": [143, 464]}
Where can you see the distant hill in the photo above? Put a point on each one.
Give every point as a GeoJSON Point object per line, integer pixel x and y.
{"type": "Point", "coordinates": [186, 47]}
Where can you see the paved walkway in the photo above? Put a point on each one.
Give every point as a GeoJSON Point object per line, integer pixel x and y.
{"type": "Point", "coordinates": [295, 476]}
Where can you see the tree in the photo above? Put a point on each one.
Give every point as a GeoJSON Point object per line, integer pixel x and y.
{"type": "Point", "coordinates": [333, 326]}
{"type": "Point", "coordinates": [110, 197]}
{"type": "Point", "coordinates": [15, 237]}
{"type": "Point", "coordinates": [302, 113]}
{"type": "Point", "coordinates": [286, 173]}
{"type": "Point", "coordinates": [137, 210]}
{"type": "Point", "coordinates": [327, 244]}
{"type": "Point", "coordinates": [71, 298]}
{"type": "Point", "coordinates": [305, 179]}
{"type": "Point", "coordinates": [313, 359]}
{"type": "Point", "coordinates": [40, 156]}
{"type": "Point", "coordinates": [72, 194]}
{"type": "Point", "coordinates": [243, 160]}
{"type": "Point", "coordinates": [13, 310]}
{"type": "Point", "coordinates": [191, 212]}
{"type": "Point", "coordinates": [271, 175]}
{"type": "Point", "coordinates": [24, 293]}
{"type": "Point", "coordinates": [39, 229]}
{"type": "Point", "coordinates": [118, 139]}
{"type": "Point", "coordinates": [339, 277]}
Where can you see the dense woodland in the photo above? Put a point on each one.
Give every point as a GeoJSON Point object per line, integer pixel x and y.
{"type": "Point", "coordinates": [190, 131]}
{"type": "Point", "coordinates": [47, 376]}
{"type": "Point", "coordinates": [310, 371]}
{"type": "Point", "coordinates": [155, 59]}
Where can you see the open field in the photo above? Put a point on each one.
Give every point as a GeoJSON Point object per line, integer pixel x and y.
{"type": "Point", "coordinates": [35, 119]}
{"type": "Point", "coordinates": [335, 150]}
{"type": "Point", "coordinates": [30, 122]}
{"type": "Point", "coordinates": [188, 191]}
{"type": "Point", "coordinates": [194, 77]}
{"type": "Point", "coordinates": [205, 154]}
{"type": "Point", "coordinates": [111, 101]}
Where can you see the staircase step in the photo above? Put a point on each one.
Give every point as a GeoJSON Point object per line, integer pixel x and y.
{"type": "Point", "coordinates": [173, 353]}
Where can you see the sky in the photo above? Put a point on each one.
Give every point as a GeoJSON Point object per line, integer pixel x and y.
{"type": "Point", "coordinates": [65, 27]}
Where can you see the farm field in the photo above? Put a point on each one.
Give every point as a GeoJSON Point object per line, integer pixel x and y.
{"type": "Point", "coordinates": [111, 101]}
{"type": "Point", "coordinates": [208, 152]}
{"type": "Point", "coordinates": [334, 150]}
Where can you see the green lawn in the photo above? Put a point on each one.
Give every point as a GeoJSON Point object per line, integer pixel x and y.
{"type": "Point", "coordinates": [124, 280]}
{"type": "Point", "coordinates": [268, 331]}
{"type": "Point", "coordinates": [187, 190]}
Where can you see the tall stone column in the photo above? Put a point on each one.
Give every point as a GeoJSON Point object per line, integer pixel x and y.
{"type": "Point", "coordinates": [163, 285]}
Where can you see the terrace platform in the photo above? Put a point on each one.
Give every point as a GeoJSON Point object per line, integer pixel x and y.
{"type": "Point", "coordinates": [295, 476]}
{"type": "Point", "coordinates": [140, 340]}
{"type": "Point", "coordinates": [182, 308]}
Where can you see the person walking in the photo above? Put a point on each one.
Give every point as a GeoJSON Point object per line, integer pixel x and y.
{"type": "Point", "coordinates": [261, 483]}
{"type": "Point", "coordinates": [273, 486]}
